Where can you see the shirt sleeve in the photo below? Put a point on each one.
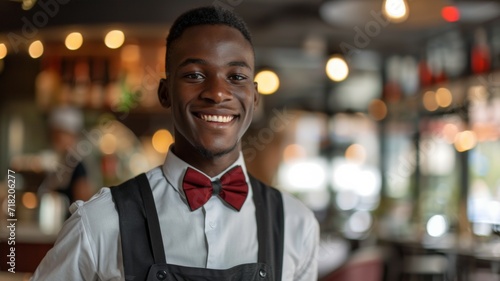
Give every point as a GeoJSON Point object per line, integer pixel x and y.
{"type": "Point", "coordinates": [71, 258]}
{"type": "Point", "coordinates": [308, 268]}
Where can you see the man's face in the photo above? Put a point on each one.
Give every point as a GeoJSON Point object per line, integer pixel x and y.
{"type": "Point", "coordinates": [210, 89]}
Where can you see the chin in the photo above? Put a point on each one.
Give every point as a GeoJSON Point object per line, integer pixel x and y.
{"type": "Point", "coordinates": [211, 153]}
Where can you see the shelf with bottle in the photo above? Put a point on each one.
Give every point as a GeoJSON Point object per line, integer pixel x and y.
{"type": "Point", "coordinates": [448, 97]}
{"type": "Point", "coordinates": [118, 81]}
{"type": "Point", "coordinates": [449, 69]}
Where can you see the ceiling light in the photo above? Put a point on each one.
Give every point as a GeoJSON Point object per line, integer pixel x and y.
{"type": "Point", "coordinates": [395, 10]}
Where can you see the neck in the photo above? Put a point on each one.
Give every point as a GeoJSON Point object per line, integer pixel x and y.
{"type": "Point", "coordinates": [208, 163]}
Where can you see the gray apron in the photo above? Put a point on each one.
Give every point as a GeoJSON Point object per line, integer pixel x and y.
{"type": "Point", "coordinates": [142, 244]}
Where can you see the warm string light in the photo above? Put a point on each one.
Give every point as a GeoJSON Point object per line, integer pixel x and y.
{"type": "Point", "coordinates": [395, 10]}
{"type": "Point", "coordinates": [74, 41]}
{"type": "Point", "coordinates": [114, 39]}
{"type": "Point", "coordinates": [337, 68]}
{"type": "Point", "coordinates": [36, 49]}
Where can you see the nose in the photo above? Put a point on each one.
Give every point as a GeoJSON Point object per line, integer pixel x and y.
{"type": "Point", "coordinates": [216, 91]}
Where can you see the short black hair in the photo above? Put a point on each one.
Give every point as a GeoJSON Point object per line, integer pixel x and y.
{"type": "Point", "coordinates": [209, 15]}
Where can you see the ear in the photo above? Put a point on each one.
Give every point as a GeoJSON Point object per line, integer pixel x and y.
{"type": "Point", "coordinates": [256, 97]}
{"type": "Point", "coordinates": [163, 94]}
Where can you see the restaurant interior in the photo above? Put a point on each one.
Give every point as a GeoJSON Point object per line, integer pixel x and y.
{"type": "Point", "coordinates": [381, 116]}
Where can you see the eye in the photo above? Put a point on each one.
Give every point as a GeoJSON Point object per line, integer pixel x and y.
{"type": "Point", "coordinates": [237, 77]}
{"type": "Point", "coordinates": [194, 76]}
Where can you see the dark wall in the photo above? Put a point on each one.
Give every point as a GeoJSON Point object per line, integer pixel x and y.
{"type": "Point", "coordinates": [17, 79]}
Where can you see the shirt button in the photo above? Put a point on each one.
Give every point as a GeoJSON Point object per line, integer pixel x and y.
{"type": "Point", "coordinates": [161, 275]}
{"type": "Point", "coordinates": [262, 273]}
{"type": "Point", "coordinates": [212, 224]}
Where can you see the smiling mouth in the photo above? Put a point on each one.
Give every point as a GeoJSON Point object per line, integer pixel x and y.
{"type": "Point", "coordinates": [216, 118]}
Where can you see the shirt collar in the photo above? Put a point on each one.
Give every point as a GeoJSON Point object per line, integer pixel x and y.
{"type": "Point", "coordinates": [174, 169]}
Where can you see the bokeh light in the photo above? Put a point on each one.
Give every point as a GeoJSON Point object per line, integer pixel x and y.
{"type": "Point", "coordinates": [429, 101]}
{"type": "Point", "coordinates": [161, 140]}
{"type": "Point", "coordinates": [108, 143]}
{"type": "Point", "coordinates": [465, 140]}
{"type": "Point", "coordinates": [337, 69]}
{"type": "Point", "coordinates": [395, 10]}
{"type": "Point", "coordinates": [437, 226]}
{"type": "Point", "coordinates": [268, 82]}
{"type": "Point", "coordinates": [30, 200]}
{"type": "Point", "coordinates": [114, 39]}
{"type": "Point", "coordinates": [443, 97]}
{"type": "Point", "coordinates": [377, 109]}
{"type": "Point", "coordinates": [450, 13]}
{"type": "Point", "coordinates": [74, 41]}
{"type": "Point", "coordinates": [293, 151]}
{"type": "Point", "coordinates": [356, 153]}
{"type": "Point", "coordinates": [36, 49]}
{"type": "Point", "coordinates": [3, 51]}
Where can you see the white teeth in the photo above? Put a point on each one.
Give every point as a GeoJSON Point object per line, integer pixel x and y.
{"type": "Point", "coordinates": [216, 118]}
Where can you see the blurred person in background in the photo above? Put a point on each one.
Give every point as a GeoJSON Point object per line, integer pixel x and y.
{"type": "Point", "coordinates": [69, 176]}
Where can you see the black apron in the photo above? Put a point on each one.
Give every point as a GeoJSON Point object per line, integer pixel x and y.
{"type": "Point", "coordinates": [142, 244]}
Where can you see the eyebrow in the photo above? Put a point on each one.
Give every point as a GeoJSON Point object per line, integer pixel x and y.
{"type": "Point", "coordinates": [192, 61]}
{"type": "Point", "coordinates": [239, 63]}
{"type": "Point", "coordinates": [204, 62]}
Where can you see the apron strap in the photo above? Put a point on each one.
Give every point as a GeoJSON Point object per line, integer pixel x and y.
{"type": "Point", "coordinates": [138, 227]}
{"type": "Point", "coordinates": [152, 219]}
{"type": "Point", "coordinates": [270, 225]}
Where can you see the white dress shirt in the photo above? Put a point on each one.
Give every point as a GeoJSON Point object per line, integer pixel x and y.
{"type": "Point", "coordinates": [89, 248]}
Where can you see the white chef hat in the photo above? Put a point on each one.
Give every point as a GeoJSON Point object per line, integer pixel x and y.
{"type": "Point", "coordinates": [66, 118]}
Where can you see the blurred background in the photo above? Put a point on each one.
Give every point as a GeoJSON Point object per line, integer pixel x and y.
{"type": "Point", "coordinates": [383, 117]}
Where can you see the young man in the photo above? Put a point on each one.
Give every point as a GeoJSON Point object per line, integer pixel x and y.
{"type": "Point", "coordinates": [199, 216]}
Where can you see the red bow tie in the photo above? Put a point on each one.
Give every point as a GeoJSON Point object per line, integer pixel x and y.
{"type": "Point", "coordinates": [231, 187]}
